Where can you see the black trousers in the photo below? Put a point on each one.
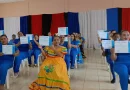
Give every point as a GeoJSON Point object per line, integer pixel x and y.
{"type": "Point", "coordinates": [82, 50]}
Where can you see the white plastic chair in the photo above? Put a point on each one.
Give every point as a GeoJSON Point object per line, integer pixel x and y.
{"type": "Point", "coordinates": [25, 63]}
{"type": "Point", "coordinates": [8, 77]}
{"type": "Point", "coordinates": [117, 84]}
{"type": "Point", "coordinates": [39, 58]}
{"type": "Point", "coordinates": [76, 64]}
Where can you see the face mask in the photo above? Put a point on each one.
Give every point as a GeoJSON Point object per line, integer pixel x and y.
{"type": "Point", "coordinates": [118, 39]}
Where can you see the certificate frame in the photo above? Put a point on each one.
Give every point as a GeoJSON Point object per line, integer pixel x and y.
{"type": "Point", "coordinates": [26, 38]}
{"type": "Point", "coordinates": [108, 42]}
{"type": "Point", "coordinates": [101, 35]}
{"type": "Point", "coordinates": [123, 45]}
{"type": "Point", "coordinates": [66, 39]}
{"type": "Point", "coordinates": [63, 29]}
{"type": "Point", "coordinates": [30, 36]}
{"type": "Point", "coordinates": [1, 32]}
{"type": "Point", "coordinates": [6, 52]}
{"type": "Point", "coordinates": [42, 38]}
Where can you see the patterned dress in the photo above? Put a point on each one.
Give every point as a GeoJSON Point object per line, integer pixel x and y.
{"type": "Point", "coordinates": [53, 73]}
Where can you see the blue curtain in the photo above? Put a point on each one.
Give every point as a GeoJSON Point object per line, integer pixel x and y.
{"type": "Point", "coordinates": [24, 25]}
{"type": "Point", "coordinates": [73, 23]}
{"type": "Point", "coordinates": [114, 19]}
{"type": "Point", "coordinates": [1, 24]}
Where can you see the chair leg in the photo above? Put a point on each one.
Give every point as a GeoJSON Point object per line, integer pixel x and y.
{"type": "Point", "coordinates": [76, 65]}
{"type": "Point", "coordinates": [7, 80]}
{"type": "Point", "coordinates": [39, 63]}
{"type": "Point", "coordinates": [117, 83]}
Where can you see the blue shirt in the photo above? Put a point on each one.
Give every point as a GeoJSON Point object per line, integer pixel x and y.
{"type": "Point", "coordinates": [22, 47]}
{"type": "Point", "coordinates": [7, 57]}
{"type": "Point", "coordinates": [65, 44]}
{"type": "Point", "coordinates": [34, 45]}
{"type": "Point", "coordinates": [11, 41]}
{"type": "Point", "coordinates": [75, 42]}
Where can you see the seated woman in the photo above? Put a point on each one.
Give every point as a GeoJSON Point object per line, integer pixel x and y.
{"type": "Point", "coordinates": [79, 58]}
{"type": "Point", "coordinates": [53, 73]}
{"type": "Point", "coordinates": [34, 51]}
{"type": "Point", "coordinates": [74, 50]}
{"type": "Point", "coordinates": [6, 61]}
{"type": "Point", "coordinates": [82, 40]}
{"type": "Point", "coordinates": [122, 63]}
{"type": "Point", "coordinates": [24, 53]}
{"type": "Point", "coordinates": [66, 44]}
{"type": "Point", "coordinates": [107, 53]}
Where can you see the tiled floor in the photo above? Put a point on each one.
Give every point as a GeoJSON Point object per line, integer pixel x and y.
{"type": "Point", "coordinates": [92, 75]}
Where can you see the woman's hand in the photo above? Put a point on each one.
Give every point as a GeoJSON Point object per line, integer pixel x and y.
{"type": "Point", "coordinates": [112, 51]}
{"type": "Point", "coordinates": [40, 47]}
{"type": "Point", "coordinates": [113, 55]}
{"type": "Point", "coordinates": [1, 54]}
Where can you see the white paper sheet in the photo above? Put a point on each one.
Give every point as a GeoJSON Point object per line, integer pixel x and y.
{"type": "Point", "coordinates": [107, 44]}
{"type": "Point", "coordinates": [30, 36]}
{"type": "Point", "coordinates": [24, 40]}
{"type": "Point", "coordinates": [1, 32]}
{"type": "Point", "coordinates": [103, 35]}
{"type": "Point", "coordinates": [121, 47]}
{"type": "Point", "coordinates": [8, 49]}
{"type": "Point", "coordinates": [63, 31]}
{"type": "Point", "coordinates": [66, 39]}
{"type": "Point", "coordinates": [45, 40]}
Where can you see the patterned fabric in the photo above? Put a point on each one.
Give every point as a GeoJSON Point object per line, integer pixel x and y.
{"type": "Point", "coordinates": [51, 53]}
{"type": "Point", "coordinates": [53, 73]}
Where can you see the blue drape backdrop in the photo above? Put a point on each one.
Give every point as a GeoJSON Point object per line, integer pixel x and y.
{"type": "Point", "coordinates": [112, 19]}
{"type": "Point", "coordinates": [73, 22]}
{"type": "Point", "coordinates": [24, 25]}
{"type": "Point", "coordinates": [1, 24]}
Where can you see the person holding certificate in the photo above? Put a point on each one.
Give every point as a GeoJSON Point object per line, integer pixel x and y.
{"type": "Point", "coordinates": [79, 58]}
{"type": "Point", "coordinates": [82, 40]}
{"type": "Point", "coordinates": [6, 60]}
{"type": "Point", "coordinates": [24, 53]}
{"type": "Point", "coordinates": [74, 50]}
{"type": "Point", "coordinates": [122, 62]}
{"type": "Point", "coordinates": [53, 72]}
{"type": "Point", "coordinates": [107, 53]}
{"type": "Point", "coordinates": [68, 46]}
{"type": "Point", "coordinates": [13, 39]}
{"type": "Point", "coordinates": [111, 34]}
{"type": "Point", "coordinates": [34, 51]}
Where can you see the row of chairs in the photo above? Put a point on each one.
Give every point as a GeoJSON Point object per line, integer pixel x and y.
{"type": "Point", "coordinates": [24, 65]}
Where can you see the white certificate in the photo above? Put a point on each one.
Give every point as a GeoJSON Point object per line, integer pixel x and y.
{"type": "Point", "coordinates": [121, 46]}
{"type": "Point", "coordinates": [1, 32]}
{"type": "Point", "coordinates": [63, 31]}
{"type": "Point", "coordinates": [103, 35]}
{"type": "Point", "coordinates": [8, 49]}
{"type": "Point", "coordinates": [30, 36]}
{"type": "Point", "coordinates": [24, 40]}
{"type": "Point", "coordinates": [66, 39]}
{"type": "Point", "coordinates": [107, 44]}
{"type": "Point", "coordinates": [45, 40]}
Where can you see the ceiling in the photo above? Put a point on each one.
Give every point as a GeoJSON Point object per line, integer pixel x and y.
{"type": "Point", "coordinates": [9, 1]}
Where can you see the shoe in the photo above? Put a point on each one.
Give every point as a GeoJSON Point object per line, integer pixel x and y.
{"type": "Point", "coordinates": [84, 56]}
{"type": "Point", "coordinates": [35, 65]}
{"type": "Point", "coordinates": [113, 81]}
{"type": "Point", "coordinates": [72, 67]}
{"type": "Point", "coordinates": [16, 75]}
{"type": "Point", "coordinates": [128, 81]}
{"type": "Point", "coordinates": [30, 65]}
